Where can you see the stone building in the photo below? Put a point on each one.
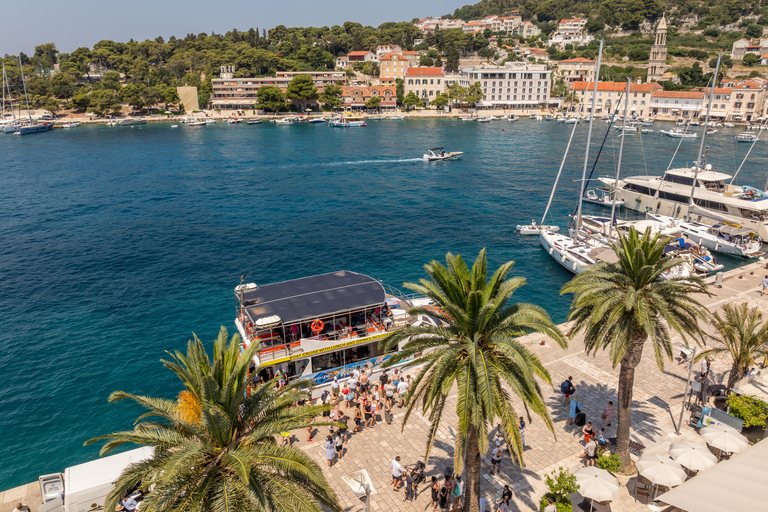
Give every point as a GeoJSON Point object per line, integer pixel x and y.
{"type": "Point", "coordinates": [658, 59]}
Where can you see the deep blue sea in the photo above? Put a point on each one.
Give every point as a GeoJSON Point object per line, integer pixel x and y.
{"type": "Point", "coordinates": [116, 244]}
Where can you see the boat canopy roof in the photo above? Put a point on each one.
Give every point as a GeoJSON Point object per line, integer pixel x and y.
{"type": "Point", "coordinates": [436, 149]}
{"type": "Point", "coordinates": [734, 231]}
{"type": "Point", "coordinates": [308, 298]}
{"type": "Point", "coordinates": [703, 175]}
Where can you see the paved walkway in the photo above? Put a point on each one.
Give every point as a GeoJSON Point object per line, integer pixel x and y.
{"type": "Point", "coordinates": [656, 409]}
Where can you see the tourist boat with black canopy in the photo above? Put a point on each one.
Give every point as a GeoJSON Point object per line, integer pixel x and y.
{"type": "Point", "coordinates": [320, 327]}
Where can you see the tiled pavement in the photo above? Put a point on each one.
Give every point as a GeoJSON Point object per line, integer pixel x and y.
{"type": "Point", "coordinates": [656, 409]}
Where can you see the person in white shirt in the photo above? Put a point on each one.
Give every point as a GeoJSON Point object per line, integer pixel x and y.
{"type": "Point", "coordinates": [397, 473]}
{"type": "Point", "coordinates": [496, 458]}
{"type": "Point", "coordinates": [550, 506]}
{"type": "Point", "coordinates": [335, 386]}
{"type": "Point", "coordinates": [402, 390]}
{"type": "Point", "coordinates": [459, 492]}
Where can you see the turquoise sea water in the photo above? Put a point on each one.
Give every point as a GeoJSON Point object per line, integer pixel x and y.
{"type": "Point", "coordinates": [117, 243]}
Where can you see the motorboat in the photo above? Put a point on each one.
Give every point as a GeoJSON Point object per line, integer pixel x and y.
{"type": "Point", "coordinates": [377, 117]}
{"type": "Point", "coordinates": [533, 116]}
{"type": "Point", "coordinates": [256, 120]}
{"type": "Point", "coordinates": [711, 131]}
{"type": "Point", "coordinates": [605, 198]}
{"type": "Point", "coordinates": [678, 133]}
{"type": "Point", "coordinates": [512, 117]}
{"type": "Point", "coordinates": [284, 121]}
{"type": "Point", "coordinates": [133, 121]}
{"type": "Point", "coordinates": [695, 123]}
{"type": "Point", "coordinates": [549, 118]}
{"type": "Point", "coordinates": [233, 120]}
{"type": "Point", "coordinates": [436, 154]}
{"type": "Point", "coordinates": [483, 119]}
{"type": "Point", "coordinates": [71, 124]}
{"type": "Point", "coordinates": [628, 128]}
{"type": "Point", "coordinates": [467, 118]}
{"type": "Point", "coordinates": [571, 120]}
{"type": "Point", "coordinates": [646, 130]}
{"type": "Point", "coordinates": [647, 122]}
{"type": "Point", "coordinates": [723, 238]}
{"type": "Point", "coordinates": [396, 118]}
{"type": "Point", "coordinates": [317, 120]}
{"type": "Point", "coordinates": [322, 327]}
{"type": "Point", "coordinates": [535, 229]}
{"type": "Point", "coordinates": [747, 137]}
{"type": "Point", "coordinates": [197, 122]}
{"type": "Point", "coordinates": [28, 128]}
{"type": "Point", "coordinates": [348, 122]}
{"type": "Point", "coordinates": [210, 120]}
{"type": "Point", "coordinates": [729, 125]}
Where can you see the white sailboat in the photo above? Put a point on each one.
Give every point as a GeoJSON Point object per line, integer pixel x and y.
{"type": "Point", "coordinates": [723, 238]}
{"type": "Point", "coordinates": [12, 124]}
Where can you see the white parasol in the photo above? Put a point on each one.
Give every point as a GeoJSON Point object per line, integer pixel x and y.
{"type": "Point", "coordinates": [695, 457]}
{"type": "Point", "coordinates": [597, 484]}
{"type": "Point", "coordinates": [661, 470]}
{"type": "Point", "coordinates": [724, 438]}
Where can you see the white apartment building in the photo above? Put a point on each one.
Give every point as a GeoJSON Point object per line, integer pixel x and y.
{"type": "Point", "coordinates": [571, 31]}
{"type": "Point", "coordinates": [455, 23]}
{"type": "Point", "coordinates": [475, 26]}
{"type": "Point", "coordinates": [506, 24]}
{"type": "Point", "coordinates": [576, 70]}
{"type": "Point", "coordinates": [611, 97]}
{"type": "Point", "coordinates": [685, 104]}
{"type": "Point", "coordinates": [572, 26]}
{"type": "Point", "coordinates": [515, 84]}
{"type": "Point", "coordinates": [527, 29]}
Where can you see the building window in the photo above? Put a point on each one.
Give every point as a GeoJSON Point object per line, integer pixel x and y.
{"type": "Point", "coordinates": [410, 82]}
{"type": "Point", "coordinates": [430, 93]}
{"type": "Point", "coordinates": [431, 81]}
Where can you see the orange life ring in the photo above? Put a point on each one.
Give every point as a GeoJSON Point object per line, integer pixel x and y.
{"type": "Point", "coordinates": [317, 326]}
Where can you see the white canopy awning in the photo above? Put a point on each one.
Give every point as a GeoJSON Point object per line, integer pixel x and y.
{"type": "Point", "coordinates": [736, 484]}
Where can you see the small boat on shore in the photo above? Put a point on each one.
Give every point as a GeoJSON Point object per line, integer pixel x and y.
{"type": "Point", "coordinates": [71, 124]}
{"type": "Point", "coordinates": [34, 127]}
{"type": "Point", "coordinates": [436, 154]}
{"type": "Point", "coordinates": [200, 122]}
{"type": "Point", "coordinates": [678, 133]}
{"type": "Point", "coordinates": [133, 121]}
{"type": "Point", "coordinates": [254, 121]}
{"type": "Point", "coordinates": [396, 118]}
{"type": "Point", "coordinates": [483, 119]}
{"type": "Point", "coordinates": [233, 120]}
{"type": "Point", "coordinates": [512, 118]}
{"type": "Point", "coordinates": [284, 121]}
{"type": "Point", "coordinates": [317, 120]}
{"type": "Point", "coordinates": [646, 130]}
{"type": "Point", "coordinates": [348, 122]}
{"type": "Point", "coordinates": [467, 118]}
{"type": "Point", "coordinates": [747, 137]}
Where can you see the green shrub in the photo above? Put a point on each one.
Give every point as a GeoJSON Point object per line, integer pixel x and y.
{"type": "Point", "coordinates": [753, 411]}
{"type": "Point", "coordinates": [611, 464]}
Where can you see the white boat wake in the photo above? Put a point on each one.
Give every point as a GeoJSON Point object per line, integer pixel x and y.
{"type": "Point", "coordinates": [363, 162]}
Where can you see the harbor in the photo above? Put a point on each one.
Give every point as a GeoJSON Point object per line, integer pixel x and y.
{"type": "Point", "coordinates": [656, 416]}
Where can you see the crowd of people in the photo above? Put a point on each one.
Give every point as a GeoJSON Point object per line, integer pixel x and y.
{"type": "Point", "coordinates": [593, 440]}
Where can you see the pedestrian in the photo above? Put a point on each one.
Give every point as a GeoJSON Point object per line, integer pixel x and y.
{"type": "Point", "coordinates": [458, 492]}
{"type": "Point", "coordinates": [608, 414]}
{"type": "Point", "coordinates": [353, 387]}
{"type": "Point", "coordinates": [347, 395]}
{"type": "Point", "coordinates": [589, 431]}
{"type": "Point", "coordinates": [496, 458]}
{"type": "Point", "coordinates": [343, 429]}
{"type": "Point", "coordinates": [575, 409]}
{"type": "Point", "coordinates": [443, 499]}
{"type": "Point", "coordinates": [330, 450]}
{"type": "Point", "coordinates": [383, 378]}
{"type": "Point", "coordinates": [567, 389]}
{"type": "Point", "coordinates": [521, 427]}
{"type": "Point", "coordinates": [397, 473]}
{"type": "Point", "coordinates": [764, 284]}
{"type": "Point", "coordinates": [335, 387]}
{"type": "Point", "coordinates": [368, 415]}
{"type": "Point", "coordinates": [24, 508]}
{"type": "Point", "coordinates": [590, 451]}
{"type": "Point", "coordinates": [286, 438]}
{"type": "Point", "coordinates": [389, 392]}
{"type": "Point", "coordinates": [705, 367]}
{"type": "Point", "coordinates": [550, 506]}
{"type": "Point", "coordinates": [506, 495]}
{"type": "Point", "coordinates": [358, 418]}
{"type": "Point", "coordinates": [395, 377]}
{"type": "Point", "coordinates": [435, 488]}
{"type": "Point", "coordinates": [364, 384]}
{"type": "Point", "coordinates": [374, 405]}
{"type": "Point", "coordinates": [338, 444]}
{"type": "Point", "coordinates": [280, 376]}
{"type": "Point", "coordinates": [402, 390]}
{"type": "Point", "coordinates": [410, 493]}
{"type": "Point", "coordinates": [129, 504]}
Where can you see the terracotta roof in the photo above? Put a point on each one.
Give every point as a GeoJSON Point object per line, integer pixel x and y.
{"type": "Point", "coordinates": [747, 85]}
{"type": "Point", "coordinates": [424, 71]}
{"type": "Point", "coordinates": [538, 51]}
{"type": "Point", "coordinates": [359, 52]}
{"type": "Point", "coordinates": [569, 20]}
{"type": "Point", "coordinates": [679, 94]}
{"type": "Point", "coordinates": [718, 90]}
{"type": "Point", "coordinates": [475, 23]}
{"type": "Point", "coordinates": [409, 53]}
{"type": "Point", "coordinates": [614, 86]}
{"type": "Point", "coordinates": [579, 59]}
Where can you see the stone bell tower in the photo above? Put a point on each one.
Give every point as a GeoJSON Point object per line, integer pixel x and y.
{"type": "Point", "coordinates": [658, 58]}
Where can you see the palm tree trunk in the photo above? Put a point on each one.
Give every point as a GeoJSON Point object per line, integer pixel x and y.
{"type": "Point", "coordinates": [472, 485]}
{"type": "Point", "coordinates": [737, 373]}
{"type": "Point", "coordinates": [626, 384]}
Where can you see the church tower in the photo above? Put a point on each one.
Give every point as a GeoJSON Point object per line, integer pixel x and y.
{"type": "Point", "coordinates": [658, 58]}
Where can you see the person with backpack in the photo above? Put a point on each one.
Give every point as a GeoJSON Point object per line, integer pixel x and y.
{"type": "Point", "coordinates": [575, 409]}
{"type": "Point", "coordinates": [567, 389]}
{"type": "Point", "coordinates": [443, 499]}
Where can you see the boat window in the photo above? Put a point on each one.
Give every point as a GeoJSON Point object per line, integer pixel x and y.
{"type": "Point", "coordinates": [752, 214]}
{"type": "Point", "coordinates": [682, 180]}
{"type": "Point", "coordinates": [327, 361]}
{"type": "Point", "coordinates": [712, 205]}
{"type": "Point", "coordinates": [639, 189]}
{"type": "Point", "coordinates": [678, 198]}
{"type": "Point", "coordinates": [714, 186]}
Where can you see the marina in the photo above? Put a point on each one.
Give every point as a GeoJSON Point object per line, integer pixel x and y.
{"type": "Point", "coordinates": [113, 264]}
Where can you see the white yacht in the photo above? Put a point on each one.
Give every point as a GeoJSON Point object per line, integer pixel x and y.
{"type": "Point", "coordinates": [535, 229]}
{"type": "Point", "coordinates": [679, 133]}
{"type": "Point", "coordinates": [436, 154]}
{"type": "Point", "coordinates": [483, 119]}
{"type": "Point", "coordinates": [131, 121]}
{"type": "Point", "coordinates": [714, 202]}
{"type": "Point", "coordinates": [747, 137]}
{"type": "Point", "coordinates": [603, 198]}
{"type": "Point", "coordinates": [722, 238]}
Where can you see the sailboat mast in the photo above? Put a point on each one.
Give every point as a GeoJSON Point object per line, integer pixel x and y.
{"type": "Point", "coordinates": [589, 139]}
{"type": "Point", "coordinates": [26, 98]}
{"type": "Point", "coordinates": [618, 165]}
{"type": "Point", "coordinates": [557, 179]}
{"type": "Point", "coordinates": [2, 113]}
{"type": "Point", "coordinates": [704, 134]}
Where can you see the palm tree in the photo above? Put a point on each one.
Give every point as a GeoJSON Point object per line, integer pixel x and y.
{"type": "Point", "coordinates": [743, 335]}
{"type": "Point", "coordinates": [476, 349]}
{"type": "Point", "coordinates": [620, 306]}
{"type": "Point", "coordinates": [214, 446]}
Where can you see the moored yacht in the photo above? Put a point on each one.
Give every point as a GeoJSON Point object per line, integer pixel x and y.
{"type": "Point", "coordinates": [723, 238]}
{"type": "Point", "coordinates": [131, 121]}
{"type": "Point", "coordinates": [320, 327]}
{"type": "Point", "coordinates": [714, 202]}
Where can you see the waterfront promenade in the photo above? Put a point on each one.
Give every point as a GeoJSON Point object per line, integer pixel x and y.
{"type": "Point", "coordinates": [656, 409]}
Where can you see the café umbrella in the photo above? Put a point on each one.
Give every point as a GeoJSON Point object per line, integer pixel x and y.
{"type": "Point", "coordinates": [597, 484]}
{"type": "Point", "coordinates": [693, 456]}
{"type": "Point", "coordinates": [660, 470]}
{"type": "Point", "coordinates": [724, 438]}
